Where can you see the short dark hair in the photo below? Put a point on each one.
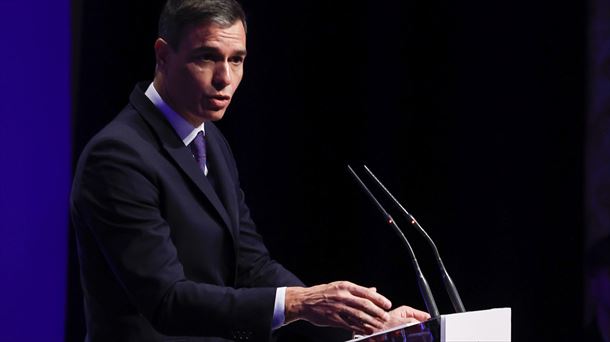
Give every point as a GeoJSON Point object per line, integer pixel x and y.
{"type": "Point", "coordinates": [180, 14]}
{"type": "Point", "coordinates": [598, 256]}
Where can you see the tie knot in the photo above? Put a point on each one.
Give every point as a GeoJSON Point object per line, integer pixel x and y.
{"type": "Point", "coordinates": [198, 145]}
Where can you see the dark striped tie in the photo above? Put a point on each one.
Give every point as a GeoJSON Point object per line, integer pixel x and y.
{"type": "Point", "coordinates": [198, 148]}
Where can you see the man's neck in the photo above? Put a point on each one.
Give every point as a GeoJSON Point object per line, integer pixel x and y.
{"type": "Point", "coordinates": [163, 93]}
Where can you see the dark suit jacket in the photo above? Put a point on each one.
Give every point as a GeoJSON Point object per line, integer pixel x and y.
{"type": "Point", "coordinates": [161, 252]}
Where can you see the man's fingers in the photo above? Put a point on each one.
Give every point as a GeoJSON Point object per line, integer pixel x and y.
{"type": "Point", "coordinates": [347, 305]}
{"type": "Point", "coordinates": [411, 320]}
{"type": "Point", "coordinates": [407, 311]}
{"type": "Point", "coordinates": [360, 321]}
{"type": "Point", "coordinates": [373, 296]}
{"type": "Point", "coordinates": [348, 323]}
{"type": "Point", "coordinates": [364, 317]}
{"type": "Point", "coordinates": [365, 305]}
{"type": "Point", "coordinates": [419, 315]}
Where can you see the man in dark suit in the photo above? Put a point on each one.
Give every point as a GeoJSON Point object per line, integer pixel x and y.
{"type": "Point", "coordinates": [165, 240]}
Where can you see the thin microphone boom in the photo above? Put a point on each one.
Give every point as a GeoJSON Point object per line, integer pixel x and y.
{"type": "Point", "coordinates": [449, 285]}
{"type": "Point", "coordinates": [421, 280]}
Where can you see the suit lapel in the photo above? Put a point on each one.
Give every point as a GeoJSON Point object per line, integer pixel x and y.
{"type": "Point", "coordinates": [178, 152]}
{"type": "Point", "coordinates": [184, 159]}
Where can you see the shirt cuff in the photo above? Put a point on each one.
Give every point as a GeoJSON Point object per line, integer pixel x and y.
{"type": "Point", "coordinates": [278, 308]}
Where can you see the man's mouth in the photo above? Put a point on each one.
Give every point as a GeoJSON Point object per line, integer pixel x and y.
{"type": "Point", "coordinates": [219, 101]}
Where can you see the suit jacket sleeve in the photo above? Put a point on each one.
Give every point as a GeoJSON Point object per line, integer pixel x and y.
{"type": "Point", "coordinates": [116, 200]}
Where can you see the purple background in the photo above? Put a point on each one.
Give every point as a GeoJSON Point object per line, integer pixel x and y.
{"type": "Point", "coordinates": [35, 174]}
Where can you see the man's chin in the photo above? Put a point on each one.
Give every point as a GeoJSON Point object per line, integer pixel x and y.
{"type": "Point", "coordinates": [214, 115]}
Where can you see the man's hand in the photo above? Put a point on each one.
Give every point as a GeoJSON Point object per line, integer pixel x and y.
{"type": "Point", "coordinates": [340, 304]}
{"type": "Point", "coordinates": [403, 315]}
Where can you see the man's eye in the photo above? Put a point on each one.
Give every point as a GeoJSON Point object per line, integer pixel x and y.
{"type": "Point", "coordinates": [236, 60]}
{"type": "Point", "coordinates": [205, 57]}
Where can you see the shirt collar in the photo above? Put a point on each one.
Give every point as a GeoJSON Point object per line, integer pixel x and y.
{"type": "Point", "coordinates": [185, 130]}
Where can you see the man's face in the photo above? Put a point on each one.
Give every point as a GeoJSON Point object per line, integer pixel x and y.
{"type": "Point", "coordinates": [198, 79]}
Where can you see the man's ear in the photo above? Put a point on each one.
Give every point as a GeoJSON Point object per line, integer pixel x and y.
{"type": "Point", "coordinates": [162, 52]}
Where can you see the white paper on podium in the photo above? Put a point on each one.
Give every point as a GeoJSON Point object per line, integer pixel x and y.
{"type": "Point", "coordinates": [477, 326]}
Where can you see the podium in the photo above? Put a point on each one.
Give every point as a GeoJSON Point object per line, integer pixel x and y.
{"type": "Point", "coordinates": [475, 326]}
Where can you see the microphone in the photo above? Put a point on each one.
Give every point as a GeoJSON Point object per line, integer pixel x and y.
{"type": "Point", "coordinates": [449, 285]}
{"type": "Point", "coordinates": [421, 280]}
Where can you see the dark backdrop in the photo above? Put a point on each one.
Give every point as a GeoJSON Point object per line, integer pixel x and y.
{"type": "Point", "coordinates": [471, 112]}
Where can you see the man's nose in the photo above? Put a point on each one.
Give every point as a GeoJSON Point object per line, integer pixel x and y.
{"type": "Point", "coordinates": [222, 75]}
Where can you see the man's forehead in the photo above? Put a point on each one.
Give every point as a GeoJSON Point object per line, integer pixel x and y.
{"type": "Point", "coordinates": [213, 34]}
